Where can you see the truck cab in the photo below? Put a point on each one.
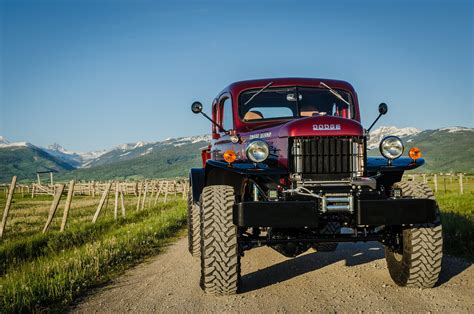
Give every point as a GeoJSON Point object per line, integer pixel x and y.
{"type": "Point", "coordinates": [288, 167]}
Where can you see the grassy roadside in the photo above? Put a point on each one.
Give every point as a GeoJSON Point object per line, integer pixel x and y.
{"type": "Point", "coordinates": [46, 272]}
{"type": "Point", "coordinates": [457, 216]}
{"type": "Point", "coordinates": [20, 249]}
{"type": "Point", "coordinates": [65, 268]}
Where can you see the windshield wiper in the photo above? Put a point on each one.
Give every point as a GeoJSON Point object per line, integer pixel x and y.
{"type": "Point", "coordinates": [255, 95]}
{"type": "Point", "coordinates": [335, 93]}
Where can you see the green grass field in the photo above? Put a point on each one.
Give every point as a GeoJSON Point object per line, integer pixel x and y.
{"type": "Point", "coordinates": [457, 214]}
{"type": "Point", "coordinates": [47, 271]}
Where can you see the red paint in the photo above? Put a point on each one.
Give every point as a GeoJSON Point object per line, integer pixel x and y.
{"type": "Point", "coordinates": [234, 90]}
{"type": "Point", "coordinates": [278, 131]}
{"type": "Point", "coordinates": [205, 155]}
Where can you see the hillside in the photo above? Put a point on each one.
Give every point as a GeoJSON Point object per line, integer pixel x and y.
{"type": "Point", "coordinates": [445, 150]}
{"type": "Point", "coordinates": [160, 162]}
{"type": "Point", "coordinates": [24, 160]}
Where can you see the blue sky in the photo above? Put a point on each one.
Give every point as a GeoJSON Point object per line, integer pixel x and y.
{"type": "Point", "coordinates": [93, 74]}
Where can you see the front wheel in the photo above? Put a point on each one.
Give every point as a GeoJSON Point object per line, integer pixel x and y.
{"type": "Point", "coordinates": [220, 256]}
{"type": "Point", "coordinates": [418, 262]}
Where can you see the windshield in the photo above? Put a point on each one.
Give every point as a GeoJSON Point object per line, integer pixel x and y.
{"type": "Point", "coordinates": [292, 102]}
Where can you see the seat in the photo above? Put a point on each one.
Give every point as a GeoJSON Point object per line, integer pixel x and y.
{"type": "Point", "coordinates": [253, 115]}
{"type": "Point", "coordinates": [309, 113]}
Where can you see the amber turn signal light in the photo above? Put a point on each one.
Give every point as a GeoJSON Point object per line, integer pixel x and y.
{"type": "Point", "coordinates": [414, 153]}
{"type": "Point", "coordinates": [230, 156]}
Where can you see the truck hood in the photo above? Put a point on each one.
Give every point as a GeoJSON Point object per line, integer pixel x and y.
{"type": "Point", "coordinates": [321, 126]}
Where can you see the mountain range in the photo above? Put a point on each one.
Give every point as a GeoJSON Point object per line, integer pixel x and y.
{"type": "Point", "coordinates": [445, 150]}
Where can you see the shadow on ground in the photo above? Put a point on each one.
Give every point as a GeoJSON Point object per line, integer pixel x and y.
{"type": "Point", "coordinates": [352, 254]}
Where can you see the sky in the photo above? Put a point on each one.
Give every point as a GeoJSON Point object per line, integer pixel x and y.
{"type": "Point", "coordinates": [90, 75]}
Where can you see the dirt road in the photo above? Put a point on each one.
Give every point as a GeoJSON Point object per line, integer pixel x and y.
{"type": "Point", "coordinates": [354, 278]}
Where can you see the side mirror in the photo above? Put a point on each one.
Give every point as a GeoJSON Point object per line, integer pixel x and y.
{"type": "Point", "coordinates": [383, 108]}
{"type": "Point", "coordinates": [196, 107]}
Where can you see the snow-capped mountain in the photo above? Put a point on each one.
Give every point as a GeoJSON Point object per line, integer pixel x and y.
{"type": "Point", "coordinates": [174, 156]}
{"type": "Point", "coordinates": [4, 143]}
{"type": "Point", "coordinates": [75, 159]}
{"type": "Point", "coordinates": [454, 129]}
{"type": "Point", "coordinates": [378, 134]}
{"type": "Point", "coordinates": [132, 150]}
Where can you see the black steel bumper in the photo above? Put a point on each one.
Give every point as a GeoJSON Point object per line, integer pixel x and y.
{"type": "Point", "coordinates": [297, 214]}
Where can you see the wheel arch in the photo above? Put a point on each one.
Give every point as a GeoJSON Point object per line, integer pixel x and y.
{"type": "Point", "coordinates": [197, 182]}
{"type": "Point", "coordinates": [218, 175]}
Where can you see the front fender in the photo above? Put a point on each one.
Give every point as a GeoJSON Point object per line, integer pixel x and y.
{"type": "Point", "coordinates": [197, 181]}
{"type": "Point", "coordinates": [221, 173]}
{"type": "Point", "coordinates": [380, 164]}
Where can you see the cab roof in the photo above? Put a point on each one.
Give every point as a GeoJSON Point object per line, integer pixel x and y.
{"type": "Point", "coordinates": [237, 87]}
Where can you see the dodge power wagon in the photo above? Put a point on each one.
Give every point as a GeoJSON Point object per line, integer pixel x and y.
{"type": "Point", "coordinates": [288, 168]}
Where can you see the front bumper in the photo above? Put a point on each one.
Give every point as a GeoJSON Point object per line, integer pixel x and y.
{"type": "Point", "coordinates": [299, 214]}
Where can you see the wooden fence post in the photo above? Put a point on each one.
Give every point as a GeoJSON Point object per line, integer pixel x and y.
{"type": "Point", "coordinates": [153, 187]}
{"type": "Point", "coordinates": [461, 187]}
{"type": "Point", "coordinates": [70, 193]}
{"type": "Point", "coordinates": [54, 206]}
{"type": "Point", "coordinates": [139, 196]}
{"type": "Point", "coordinates": [144, 195]}
{"type": "Point", "coordinates": [435, 179]}
{"type": "Point", "coordinates": [160, 183]}
{"type": "Point", "coordinates": [184, 186]}
{"type": "Point", "coordinates": [107, 199]}
{"type": "Point", "coordinates": [166, 191]}
{"type": "Point", "coordinates": [7, 205]}
{"type": "Point", "coordinates": [122, 201]}
{"type": "Point", "coordinates": [102, 201]}
{"type": "Point", "coordinates": [116, 199]}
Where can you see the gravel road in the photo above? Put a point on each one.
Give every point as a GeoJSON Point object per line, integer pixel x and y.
{"type": "Point", "coordinates": [354, 278]}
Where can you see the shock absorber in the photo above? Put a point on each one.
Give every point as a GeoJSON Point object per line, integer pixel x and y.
{"type": "Point", "coordinates": [255, 193]}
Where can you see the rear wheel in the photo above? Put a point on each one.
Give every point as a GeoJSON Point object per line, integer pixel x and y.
{"type": "Point", "coordinates": [417, 263]}
{"type": "Point", "coordinates": [194, 232]}
{"type": "Point", "coordinates": [220, 256]}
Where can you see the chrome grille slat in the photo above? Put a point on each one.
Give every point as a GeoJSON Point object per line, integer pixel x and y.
{"type": "Point", "coordinates": [327, 157]}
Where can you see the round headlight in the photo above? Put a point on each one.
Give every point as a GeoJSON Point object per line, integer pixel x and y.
{"type": "Point", "coordinates": [257, 151]}
{"type": "Point", "coordinates": [391, 147]}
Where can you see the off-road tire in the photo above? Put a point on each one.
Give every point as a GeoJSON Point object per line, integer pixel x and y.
{"type": "Point", "coordinates": [418, 263]}
{"type": "Point", "coordinates": [194, 231]}
{"type": "Point", "coordinates": [220, 258]}
{"type": "Point", "coordinates": [329, 228]}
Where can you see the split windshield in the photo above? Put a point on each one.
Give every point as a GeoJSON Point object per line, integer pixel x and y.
{"type": "Point", "coordinates": [293, 102]}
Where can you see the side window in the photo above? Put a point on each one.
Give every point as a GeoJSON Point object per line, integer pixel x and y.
{"type": "Point", "coordinates": [227, 117]}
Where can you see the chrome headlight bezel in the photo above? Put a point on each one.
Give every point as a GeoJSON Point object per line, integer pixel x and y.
{"type": "Point", "coordinates": [257, 146]}
{"type": "Point", "coordinates": [391, 147]}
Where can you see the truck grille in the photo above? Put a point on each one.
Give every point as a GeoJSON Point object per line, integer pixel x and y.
{"type": "Point", "coordinates": [327, 158]}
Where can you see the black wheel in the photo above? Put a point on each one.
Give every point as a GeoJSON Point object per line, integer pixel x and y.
{"type": "Point", "coordinates": [220, 258]}
{"type": "Point", "coordinates": [194, 232]}
{"type": "Point", "coordinates": [418, 262]}
{"type": "Point", "coordinates": [329, 228]}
